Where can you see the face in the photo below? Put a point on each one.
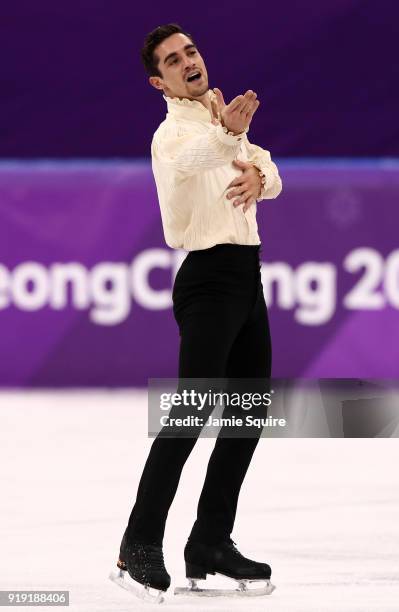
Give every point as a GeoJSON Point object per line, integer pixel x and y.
{"type": "Point", "coordinates": [182, 68]}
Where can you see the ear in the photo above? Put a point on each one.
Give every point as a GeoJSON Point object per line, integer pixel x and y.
{"type": "Point", "coordinates": [156, 82]}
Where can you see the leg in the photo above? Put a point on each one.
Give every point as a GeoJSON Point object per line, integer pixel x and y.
{"type": "Point", "coordinates": [206, 338]}
{"type": "Point", "coordinates": [250, 357]}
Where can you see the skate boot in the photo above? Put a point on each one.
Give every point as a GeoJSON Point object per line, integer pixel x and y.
{"type": "Point", "coordinates": [224, 558]}
{"type": "Point", "coordinates": [144, 564]}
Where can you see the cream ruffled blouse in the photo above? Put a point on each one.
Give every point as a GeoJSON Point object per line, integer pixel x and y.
{"type": "Point", "coordinates": [192, 165]}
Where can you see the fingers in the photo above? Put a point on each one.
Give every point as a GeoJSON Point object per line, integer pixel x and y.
{"type": "Point", "coordinates": [243, 198]}
{"type": "Point", "coordinates": [234, 182]}
{"type": "Point", "coordinates": [253, 110]}
{"type": "Point", "coordinates": [237, 115]}
{"type": "Point", "coordinates": [249, 203]}
{"type": "Point", "coordinates": [237, 191]}
{"type": "Point", "coordinates": [246, 106]}
{"type": "Point", "coordinates": [248, 102]}
{"type": "Point", "coordinates": [219, 97]}
{"type": "Point", "coordinates": [236, 103]}
{"type": "Point", "coordinates": [241, 164]}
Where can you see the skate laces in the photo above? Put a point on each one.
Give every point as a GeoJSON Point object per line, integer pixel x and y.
{"type": "Point", "coordinates": [232, 546]}
{"type": "Point", "coordinates": [154, 555]}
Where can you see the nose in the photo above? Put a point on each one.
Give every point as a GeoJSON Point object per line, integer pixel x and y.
{"type": "Point", "coordinates": [188, 64]}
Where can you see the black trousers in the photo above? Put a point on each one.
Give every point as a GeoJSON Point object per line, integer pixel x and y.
{"type": "Point", "coordinates": [219, 306]}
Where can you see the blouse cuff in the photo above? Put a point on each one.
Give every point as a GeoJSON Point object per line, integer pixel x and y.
{"type": "Point", "coordinates": [266, 176]}
{"type": "Point", "coordinates": [227, 138]}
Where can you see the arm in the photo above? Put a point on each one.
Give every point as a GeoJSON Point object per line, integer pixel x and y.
{"type": "Point", "coordinates": [262, 160]}
{"type": "Point", "coordinates": [189, 154]}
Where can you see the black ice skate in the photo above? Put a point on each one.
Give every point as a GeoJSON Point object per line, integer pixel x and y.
{"type": "Point", "coordinates": [144, 566]}
{"type": "Point", "coordinates": [223, 558]}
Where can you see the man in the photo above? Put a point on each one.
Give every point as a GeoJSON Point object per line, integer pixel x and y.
{"type": "Point", "coordinates": [209, 178]}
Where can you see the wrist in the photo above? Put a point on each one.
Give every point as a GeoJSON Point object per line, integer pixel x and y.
{"type": "Point", "coordinates": [262, 179]}
{"type": "Point", "coordinates": [228, 130]}
{"type": "Point", "coordinates": [228, 138]}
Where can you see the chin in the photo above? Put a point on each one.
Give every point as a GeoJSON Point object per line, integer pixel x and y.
{"type": "Point", "coordinates": [201, 91]}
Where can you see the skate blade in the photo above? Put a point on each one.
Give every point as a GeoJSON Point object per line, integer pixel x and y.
{"type": "Point", "coordinates": [241, 591]}
{"type": "Point", "coordinates": [122, 579]}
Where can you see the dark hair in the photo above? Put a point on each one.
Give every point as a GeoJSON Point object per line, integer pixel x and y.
{"type": "Point", "coordinates": [152, 40]}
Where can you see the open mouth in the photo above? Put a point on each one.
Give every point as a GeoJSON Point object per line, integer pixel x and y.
{"type": "Point", "coordinates": [194, 76]}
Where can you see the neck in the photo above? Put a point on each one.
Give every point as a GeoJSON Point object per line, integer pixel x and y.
{"type": "Point", "coordinates": [206, 101]}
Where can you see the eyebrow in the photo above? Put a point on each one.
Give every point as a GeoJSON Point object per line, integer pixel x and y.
{"type": "Point", "coordinates": [189, 46]}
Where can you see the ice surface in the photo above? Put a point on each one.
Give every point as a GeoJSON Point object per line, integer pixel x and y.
{"type": "Point", "coordinates": [323, 512]}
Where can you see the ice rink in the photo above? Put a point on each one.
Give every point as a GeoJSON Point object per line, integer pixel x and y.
{"type": "Point", "coordinates": [323, 512]}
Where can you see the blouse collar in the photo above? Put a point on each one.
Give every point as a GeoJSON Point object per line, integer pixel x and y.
{"type": "Point", "coordinates": [189, 109]}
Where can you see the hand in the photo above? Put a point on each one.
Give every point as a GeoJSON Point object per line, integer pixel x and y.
{"type": "Point", "coordinates": [237, 115]}
{"type": "Point", "coordinates": [248, 186]}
